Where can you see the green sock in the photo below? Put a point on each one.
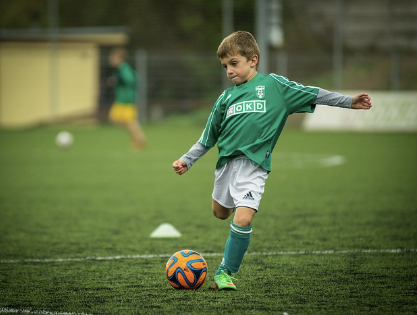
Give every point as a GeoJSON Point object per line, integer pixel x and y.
{"type": "Point", "coordinates": [235, 248]}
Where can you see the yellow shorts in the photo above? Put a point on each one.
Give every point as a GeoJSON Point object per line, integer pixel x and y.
{"type": "Point", "coordinates": [122, 112]}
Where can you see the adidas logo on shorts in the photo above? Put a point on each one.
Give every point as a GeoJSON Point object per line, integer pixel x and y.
{"type": "Point", "coordinates": [249, 196]}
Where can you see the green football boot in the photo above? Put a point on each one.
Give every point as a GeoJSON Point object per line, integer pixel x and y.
{"type": "Point", "coordinates": [223, 281]}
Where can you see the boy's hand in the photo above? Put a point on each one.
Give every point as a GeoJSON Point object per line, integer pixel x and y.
{"type": "Point", "coordinates": [361, 101]}
{"type": "Point", "coordinates": [180, 167]}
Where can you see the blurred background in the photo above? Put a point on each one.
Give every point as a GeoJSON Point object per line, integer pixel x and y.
{"type": "Point", "coordinates": [54, 53]}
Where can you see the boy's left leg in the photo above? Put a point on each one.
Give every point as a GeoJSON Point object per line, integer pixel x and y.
{"type": "Point", "coordinates": [240, 183]}
{"type": "Point", "coordinates": [235, 248]}
{"type": "Point", "coordinates": [239, 239]}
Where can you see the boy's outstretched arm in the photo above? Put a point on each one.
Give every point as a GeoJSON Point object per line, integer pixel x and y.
{"type": "Point", "coordinates": [180, 167]}
{"type": "Point", "coordinates": [361, 101]}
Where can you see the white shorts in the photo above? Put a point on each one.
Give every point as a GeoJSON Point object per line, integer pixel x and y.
{"type": "Point", "coordinates": [239, 183]}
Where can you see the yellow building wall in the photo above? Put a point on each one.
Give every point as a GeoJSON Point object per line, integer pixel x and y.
{"type": "Point", "coordinates": [39, 84]}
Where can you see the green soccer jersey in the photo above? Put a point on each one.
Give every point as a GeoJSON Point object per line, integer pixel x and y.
{"type": "Point", "coordinates": [125, 92]}
{"type": "Point", "coordinates": [248, 119]}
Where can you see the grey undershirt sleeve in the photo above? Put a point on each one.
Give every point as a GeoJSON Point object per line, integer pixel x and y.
{"type": "Point", "coordinates": [195, 153]}
{"type": "Point", "coordinates": [325, 97]}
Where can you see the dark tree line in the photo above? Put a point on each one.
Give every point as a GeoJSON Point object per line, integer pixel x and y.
{"type": "Point", "coordinates": [153, 24]}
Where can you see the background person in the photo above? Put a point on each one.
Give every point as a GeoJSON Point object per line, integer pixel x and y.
{"type": "Point", "coordinates": [123, 111]}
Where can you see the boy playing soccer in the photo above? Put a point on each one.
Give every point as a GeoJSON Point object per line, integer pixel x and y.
{"type": "Point", "coordinates": [246, 122]}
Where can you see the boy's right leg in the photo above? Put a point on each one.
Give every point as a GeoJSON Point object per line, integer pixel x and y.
{"type": "Point", "coordinates": [219, 211]}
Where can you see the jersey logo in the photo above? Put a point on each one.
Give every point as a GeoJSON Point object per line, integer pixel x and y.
{"type": "Point", "coordinates": [246, 107]}
{"type": "Point", "coordinates": [261, 90]}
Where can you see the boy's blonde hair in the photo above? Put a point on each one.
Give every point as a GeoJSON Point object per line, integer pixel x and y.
{"type": "Point", "coordinates": [239, 42]}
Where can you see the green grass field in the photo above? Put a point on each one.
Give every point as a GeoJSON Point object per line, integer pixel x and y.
{"type": "Point", "coordinates": [336, 232]}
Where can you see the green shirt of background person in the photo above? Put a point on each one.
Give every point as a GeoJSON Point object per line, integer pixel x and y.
{"type": "Point", "coordinates": [125, 89]}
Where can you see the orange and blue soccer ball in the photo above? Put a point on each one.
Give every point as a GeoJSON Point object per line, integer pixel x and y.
{"type": "Point", "coordinates": [186, 269]}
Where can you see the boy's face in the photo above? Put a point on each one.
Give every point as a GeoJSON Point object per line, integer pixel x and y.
{"type": "Point", "coordinates": [238, 69]}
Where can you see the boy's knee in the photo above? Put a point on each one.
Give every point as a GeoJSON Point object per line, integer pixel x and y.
{"type": "Point", "coordinates": [243, 222]}
{"type": "Point", "coordinates": [221, 212]}
{"type": "Point", "coordinates": [244, 216]}
{"type": "Point", "coordinates": [222, 215]}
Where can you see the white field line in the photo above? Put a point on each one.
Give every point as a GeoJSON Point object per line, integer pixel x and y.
{"type": "Point", "coordinates": [19, 311]}
{"type": "Point", "coordinates": [300, 252]}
